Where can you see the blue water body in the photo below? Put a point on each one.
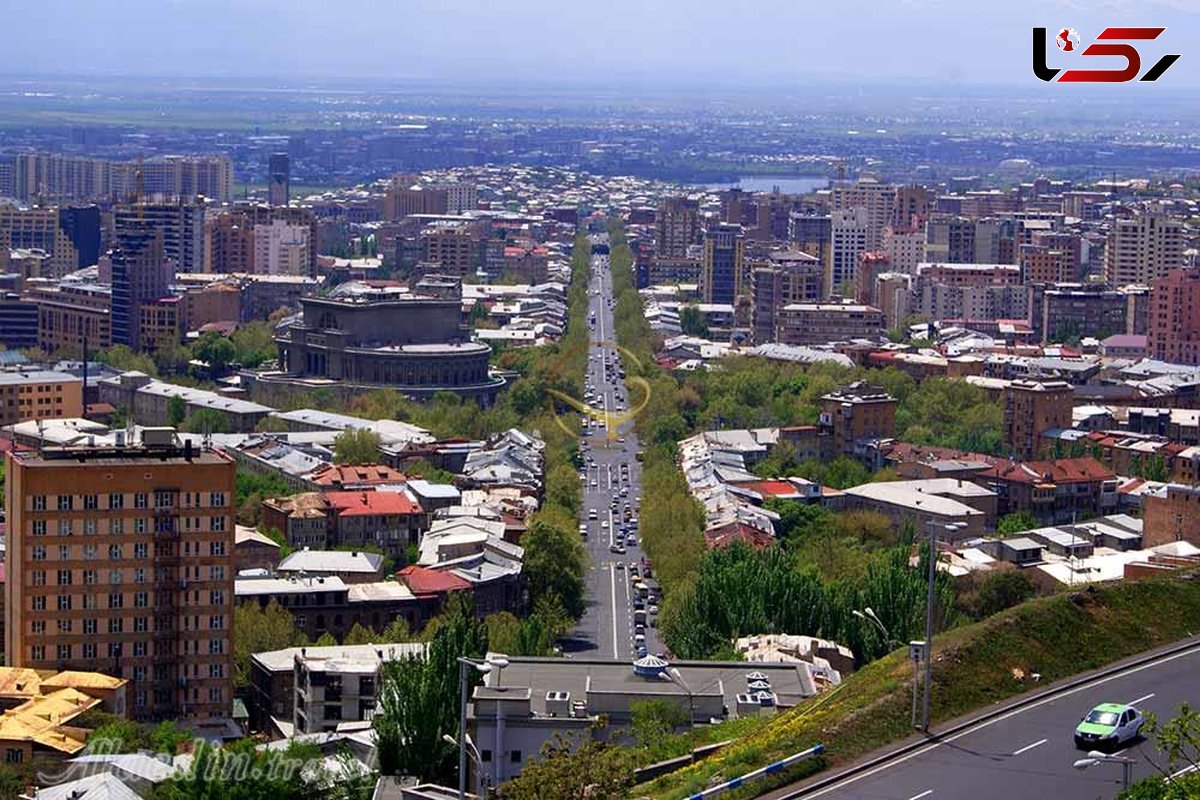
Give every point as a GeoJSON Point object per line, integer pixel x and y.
{"type": "Point", "coordinates": [766, 183]}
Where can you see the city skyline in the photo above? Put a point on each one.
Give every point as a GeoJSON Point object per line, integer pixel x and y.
{"type": "Point", "coordinates": [909, 41]}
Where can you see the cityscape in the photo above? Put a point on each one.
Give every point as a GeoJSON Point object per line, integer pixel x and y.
{"type": "Point", "coordinates": [609, 404]}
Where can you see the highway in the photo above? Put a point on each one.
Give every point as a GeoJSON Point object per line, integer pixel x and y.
{"type": "Point", "coordinates": [1028, 752]}
{"type": "Point", "coordinates": [611, 472]}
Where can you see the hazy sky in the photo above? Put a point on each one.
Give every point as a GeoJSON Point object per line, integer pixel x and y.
{"type": "Point", "coordinates": [746, 42]}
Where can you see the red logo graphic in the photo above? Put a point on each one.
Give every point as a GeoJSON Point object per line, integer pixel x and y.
{"type": "Point", "coordinates": [1111, 42]}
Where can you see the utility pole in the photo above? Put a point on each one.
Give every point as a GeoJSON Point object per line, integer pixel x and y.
{"type": "Point", "coordinates": [929, 600]}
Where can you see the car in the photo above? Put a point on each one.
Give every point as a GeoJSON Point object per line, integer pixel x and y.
{"type": "Point", "coordinates": [652, 609]}
{"type": "Point", "coordinates": [616, 548]}
{"type": "Point", "coordinates": [604, 524]}
{"type": "Point", "coordinates": [1109, 725]}
{"type": "Point", "coordinates": [621, 564]}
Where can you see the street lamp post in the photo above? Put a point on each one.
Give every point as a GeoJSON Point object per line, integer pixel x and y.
{"type": "Point", "coordinates": [471, 750]}
{"type": "Point", "coordinates": [929, 599]}
{"type": "Point", "coordinates": [1096, 757]}
{"type": "Point", "coordinates": [463, 665]}
{"type": "Point", "coordinates": [678, 678]}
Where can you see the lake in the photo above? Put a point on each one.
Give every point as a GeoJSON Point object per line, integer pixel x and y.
{"type": "Point", "coordinates": [765, 183]}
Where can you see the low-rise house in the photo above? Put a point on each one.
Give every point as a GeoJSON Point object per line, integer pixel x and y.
{"type": "Point", "coordinates": [937, 502]}
{"type": "Point", "coordinates": [253, 550]}
{"type": "Point", "coordinates": [1057, 491]}
{"type": "Point", "coordinates": [351, 566]}
{"type": "Point", "coordinates": [148, 401]}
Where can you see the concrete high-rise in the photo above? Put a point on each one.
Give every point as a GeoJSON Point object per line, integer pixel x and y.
{"type": "Point", "coordinates": [676, 227]}
{"type": "Point", "coordinates": [279, 192]}
{"type": "Point", "coordinates": [788, 277]}
{"type": "Point", "coordinates": [281, 248]}
{"type": "Point", "coordinates": [722, 269]}
{"type": "Point", "coordinates": [181, 225]}
{"type": "Point", "coordinates": [120, 559]}
{"type": "Point", "coordinates": [1174, 325]}
{"type": "Point", "coordinates": [140, 274]}
{"type": "Point", "coordinates": [850, 234]}
{"type": "Point", "coordinates": [877, 200]}
{"type": "Point", "coordinates": [1143, 248]}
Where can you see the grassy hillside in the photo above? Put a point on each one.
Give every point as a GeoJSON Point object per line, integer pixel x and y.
{"type": "Point", "coordinates": [974, 666]}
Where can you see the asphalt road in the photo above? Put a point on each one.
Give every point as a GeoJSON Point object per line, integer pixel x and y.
{"type": "Point", "coordinates": [1029, 752]}
{"type": "Point", "coordinates": [607, 628]}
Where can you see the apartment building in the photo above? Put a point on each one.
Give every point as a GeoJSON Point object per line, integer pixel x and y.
{"type": "Point", "coordinates": [822, 323]}
{"type": "Point", "coordinates": [39, 394]}
{"type": "Point", "coordinates": [856, 416]}
{"type": "Point", "coordinates": [71, 314]}
{"type": "Point", "coordinates": [723, 266]}
{"type": "Point", "coordinates": [1174, 325]}
{"type": "Point", "coordinates": [1031, 408]}
{"type": "Point", "coordinates": [788, 277]}
{"type": "Point", "coordinates": [1143, 248]}
{"type": "Point", "coordinates": [676, 227]}
{"type": "Point", "coordinates": [120, 559]}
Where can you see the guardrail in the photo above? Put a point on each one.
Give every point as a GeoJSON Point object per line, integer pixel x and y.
{"type": "Point", "coordinates": [769, 769]}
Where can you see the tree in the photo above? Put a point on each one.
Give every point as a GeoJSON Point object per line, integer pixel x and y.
{"type": "Point", "coordinates": [327, 639]}
{"type": "Point", "coordinates": [554, 564]}
{"type": "Point", "coordinates": [359, 634]}
{"type": "Point", "coordinates": [256, 630]}
{"type": "Point", "coordinates": [1003, 589]}
{"type": "Point", "coordinates": [216, 351]}
{"type": "Point", "coordinates": [653, 720]}
{"type": "Point", "coordinates": [253, 343]}
{"type": "Point", "coordinates": [206, 420]}
{"type": "Point", "coordinates": [176, 410]}
{"type": "Point", "coordinates": [418, 698]}
{"type": "Point", "coordinates": [692, 322]}
{"type": "Point", "coordinates": [1177, 743]}
{"type": "Point", "coordinates": [122, 358]}
{"type": "Point", "coordinates": [356, 446]}
{"type": "Point", "coordinates": [567, 770]}
{"type": "Point", "coordinates": [1016, 522]}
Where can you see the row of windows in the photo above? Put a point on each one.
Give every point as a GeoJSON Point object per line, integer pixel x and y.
{"type": "Point", "coordinates": [139, 525]}
{"type": "Point", "coordinates": [91, 626]}
{"type": "Point", "coordinates": [162, 697]}
{"type": "Point", "coordinates": [66, 602]}
{"type": "Point", "coordinates": [163, 498]}
{"type": "Point", "coordinates": [91, 650]}
{"type": "Point", "coordinates": [116, 552]}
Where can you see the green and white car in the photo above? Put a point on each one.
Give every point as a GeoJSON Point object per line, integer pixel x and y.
{"type": "Point", "coordinates": [1109, 725]}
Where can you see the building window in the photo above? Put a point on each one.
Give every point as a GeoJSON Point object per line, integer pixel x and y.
{"type": "Point", "coordinates": [116, 527]}
{"type": "Point", "coordinates": [64, 652]}
{"type": "Point", "coordinates": [65, 502]}
{"type": "Point", "coordinates": [114, 649]}
{"type": "Point", "coordinates": [485, 756]}
{"type": "Point", "coordinates": [140, 600]}
{"type": "Point", "coordinates": [216, 646]}
{"type": "Point", "coordinates": [64, 527]}
{"type": "Point", "coordinates": [37, 627]}
{"type": "Point", "coordinates": [116, 600]}
{"type": "Point", "coordinates": [89, 552]}
{"type": "Point", "coordinates": [139, 525]}
{"type": "Point", "coordinates": [141, 500]}
{"type": "Point", "coordinates": [218, 524]}
{"type": "Point", "coordinates": [140, 625]}
{"type": "Point", "coordinates": [216, 499]}
{"type": "Point", "coordinates": [39, 502]}
{"type": "Point", "coordinates": [89, 527]}
{"type": "Point", "coordinates": [139, 673]}
{"type": "Point", "coordinates": [64, 577]}
{"type": "Point", "coordinates": [164, 499]}
{"type": "Point", "coordinates": [89, 626]}
{"type": "Point", "coordinates": [37, 577]}
{"type": "Point", "coordinates": [140, 550]}
{"type": "Point", "coordinates": [139, 699]}
{"type": "Point", "coordinates": [38, 553]}
{"type": "Point", "coordinates": [216, 597]}
{"type": "Point", "coordinates": [91, 502]}
{"type": "Point", "coordinates": [39, 527]}
{"type": "Point", "coordinates": [64, 626]}
{"type": "Point", "coordinates": [216, 548]}
{"type": "Point", "coordinates": [216, 622]}
{"type": "Point", "coordinates": [13, 755]}
{"type": "Point", "coordinates": [64, 602]}
{"type": "Point", "coordinates": [139, 575]}
{"type": "Point", "coordinates": [115, 577]}
{"type": "Point", "coordinates": [64, 552]}
{"type": "Point", "coordinates": [116, 501]}
{"type": "Point", "coordinates": [214, 694]}
{"type": "Point", "coordinates": [516, 756]}
{"type": "Point", "coordinates": [114, 552]}
{"type": "Point", "coordinates": [89, 650]}
{"type": "Point", "coordinates": [216, 670]}
{"type": "Point", "coordinates": [217, 573]}
{"type": "Point", "coordinates": [139, 649]}
{"type": "Point", "coordinates": [89, 601]}
{"type": "Point", "coordinates": [39, 602]}
{"type": "Point", "coordinates": [38, 652]}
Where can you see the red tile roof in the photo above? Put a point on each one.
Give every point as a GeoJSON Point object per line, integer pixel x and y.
{"type": "Point", "coordinates": [1062, 470]}
{"type": "Point", "coordinates": [344, 474]}
{"type": "Point", "coordinates": [722, 537]}
{"type": "Point", "coordinates": [370, 502]}
{"type": "Point", "coordinates": [423, 581]}
{"type": "Point", "coordinates": [777, 488]}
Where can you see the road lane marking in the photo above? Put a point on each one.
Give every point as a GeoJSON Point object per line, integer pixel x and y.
{"type": "Point", "coordinates": [613, 573]}
{"type": "Point", "coordinates": [1140, 700]}
{"type": "Point", "coordinates": [1028, 747]}
{"type": "Point", "coordinates": [925, 793]}
{"type": "Point", "coordinates": [988, 723]}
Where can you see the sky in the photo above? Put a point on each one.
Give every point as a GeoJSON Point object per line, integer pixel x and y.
{"type": "Point", "coordinates": [749, 43]}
